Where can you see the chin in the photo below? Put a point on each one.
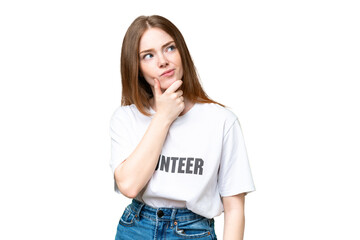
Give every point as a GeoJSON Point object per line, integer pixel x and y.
{"type": "Point", "coordinates": [165, 84]}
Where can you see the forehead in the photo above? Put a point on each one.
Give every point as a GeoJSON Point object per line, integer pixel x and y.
{"type": "Point", "coordinates": [154, 38]}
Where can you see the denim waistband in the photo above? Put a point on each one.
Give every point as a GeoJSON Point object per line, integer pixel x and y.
{"type": "Point", "coordinates": [163, 214]}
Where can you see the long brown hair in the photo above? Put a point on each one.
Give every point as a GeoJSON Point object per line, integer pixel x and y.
{"type": "Point", "coordinates": [135, 89]}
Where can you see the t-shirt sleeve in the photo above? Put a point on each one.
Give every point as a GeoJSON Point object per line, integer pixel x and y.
{"type": "Point", "coordinates": [234, 172]}
{"type": "Point", "coordinates": [120, 141]}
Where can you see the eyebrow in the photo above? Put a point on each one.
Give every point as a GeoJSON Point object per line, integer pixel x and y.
{"type": "Point", "coordinates": [149, 50]}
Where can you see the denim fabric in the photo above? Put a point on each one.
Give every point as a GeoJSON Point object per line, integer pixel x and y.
{"type": "Point", "coordinates": [142, 222]}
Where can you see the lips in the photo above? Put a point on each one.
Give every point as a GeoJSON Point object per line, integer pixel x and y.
{"type": "Point", "coordinates": [168, 73]}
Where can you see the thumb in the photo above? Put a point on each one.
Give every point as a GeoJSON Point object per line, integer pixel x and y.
{"type": "Point", "coordinates": [157, 87]}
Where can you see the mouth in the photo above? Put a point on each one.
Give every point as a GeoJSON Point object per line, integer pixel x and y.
{"type": "Point", "coordinates": [168, 73]}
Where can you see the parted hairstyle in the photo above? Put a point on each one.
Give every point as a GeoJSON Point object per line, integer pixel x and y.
{"type": "Point", "coordinates": [135, 89]}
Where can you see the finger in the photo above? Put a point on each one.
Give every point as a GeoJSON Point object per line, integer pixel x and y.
{"type": "Point", "coordinates": [179, 93]}
{"type": "Point", "coordinates": [174, 86]}
{"type": "Point", "coordinates": [157, 87]}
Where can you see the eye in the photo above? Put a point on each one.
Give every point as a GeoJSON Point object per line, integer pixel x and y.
{"type": "Point", "coordinates": [171, 48]}
{"type": "Point", "coordinates": [147, 56]}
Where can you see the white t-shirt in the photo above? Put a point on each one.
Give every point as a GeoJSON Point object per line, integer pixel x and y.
{"type": "Point", "coordinates": [203, 158]}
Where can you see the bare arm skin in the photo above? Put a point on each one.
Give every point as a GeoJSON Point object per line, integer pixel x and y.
{"type": "Point", "coordinates": [234, 218]}
{"type": "Point", "coordinates": [132, 175]}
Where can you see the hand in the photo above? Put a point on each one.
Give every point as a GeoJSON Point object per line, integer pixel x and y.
{"type": "Point", "coordinates": [170, 103]}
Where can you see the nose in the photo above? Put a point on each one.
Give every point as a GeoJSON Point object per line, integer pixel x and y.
{"type": "Point", "coordinates": [162, 61]}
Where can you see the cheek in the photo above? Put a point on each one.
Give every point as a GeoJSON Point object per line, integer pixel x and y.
{"type": "Point", "coordinates": [179, 63]}
{"type": "Point", "coordinates": [176, 58]}
{"type": "Point", "coordinates": [147, 74]}
{"type": "Point", "coordinates": [145, 70]}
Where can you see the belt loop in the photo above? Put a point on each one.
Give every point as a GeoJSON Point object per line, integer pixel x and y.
{"type": "Point", "coordinates": [139, 205]}
{"type": "Point", "coordinates": [173, 215]}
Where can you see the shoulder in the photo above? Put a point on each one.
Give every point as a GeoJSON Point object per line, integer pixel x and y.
{"type": "Point", "coordinates": [123, 109]}
{"type": "Point", "coordinates": [217, 111]}
{"type": "Point", "coordinates": [218, 115]}
{"type": "Point", "coordinates": [123, 113]}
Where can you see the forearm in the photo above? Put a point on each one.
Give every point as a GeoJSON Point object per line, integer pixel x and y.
{"type": "Point", "coordinates": [234, 225]}
{"type": "Point", "coordinates": [133, 174]}
{"type": "Point", "coordinates": [234, 217]}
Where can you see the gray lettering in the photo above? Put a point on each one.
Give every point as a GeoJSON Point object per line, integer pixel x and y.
{"type": "Point", "coordinates": [174, 159]}
{"type": "Point", "coordinates": [199, 163]}
{"type": "Point", "coordinates": [165, 164]}
{"type": "Point", "coordinates": [189, 164]}
{"type": "Point", "coordinates": [157, 166]}
{"type": "Point", "coordinates": [181, 164]}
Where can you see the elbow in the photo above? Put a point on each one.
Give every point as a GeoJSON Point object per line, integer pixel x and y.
{"type": "Point", "coordinates": [130, 195]}
{"type": "Point", "coordinates": [127, 190]}
{"type": "Point", "coordinates": [127, 185]}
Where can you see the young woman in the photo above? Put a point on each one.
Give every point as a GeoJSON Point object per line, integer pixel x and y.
{"type": "Point", "coordinates": [178, 154]}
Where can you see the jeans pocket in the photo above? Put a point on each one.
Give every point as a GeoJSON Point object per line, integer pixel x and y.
{"type": "Point", "coordinates": [196, 228]}
{"type": "Point", "coordinates": [127, 218]}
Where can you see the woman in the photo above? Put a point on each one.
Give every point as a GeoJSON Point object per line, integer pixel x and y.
{"type": "Point", "coordinates": [178, 154]}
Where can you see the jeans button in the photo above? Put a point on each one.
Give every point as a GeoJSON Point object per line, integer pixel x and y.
{"type": "Point", "coordinates": [160, 213]}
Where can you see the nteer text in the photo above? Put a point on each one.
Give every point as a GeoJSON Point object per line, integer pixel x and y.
{"type": "Point", "coordinates": [187, 165]}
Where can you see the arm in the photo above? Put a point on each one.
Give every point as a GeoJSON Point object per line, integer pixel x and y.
{"type": "Point", "coordinates": [234, 218]}
{"type": "Point", "coordinates": [134, 173]}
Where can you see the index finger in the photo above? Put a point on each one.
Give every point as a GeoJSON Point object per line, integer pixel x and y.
{"type": "Point", "coordinates": [174, 86]}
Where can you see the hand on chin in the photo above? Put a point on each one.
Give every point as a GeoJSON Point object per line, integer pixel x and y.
{"type": "Point", "coordinates": [166, 83]}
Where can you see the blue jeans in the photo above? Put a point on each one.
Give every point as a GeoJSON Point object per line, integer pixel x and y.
{"type": "Point", "coordinates": [141, 222]}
